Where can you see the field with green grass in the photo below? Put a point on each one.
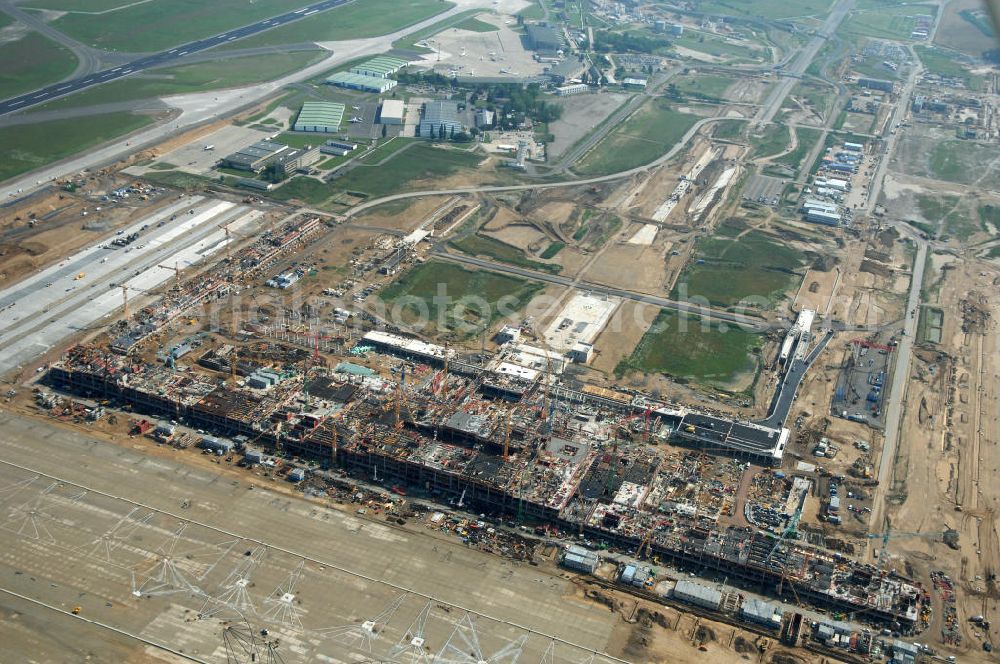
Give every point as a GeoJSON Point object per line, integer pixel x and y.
{"type": "Point", "coordinates": [478, 245]}
{"type": "Point", "coordinates": [774, 139]}
{"type": "Point", "coordinates": [356, 20]}
{"type": "Point", "coordinates": [739, 266]}
{"type": "Point", "coordinates": [989, 217]}
{"type": "Point", "coordinates": [308, 190]}
{"type": "Point", "coordinates": [412, 296]}
{"type": "Point", "coordinates": [32, 62]}
{"type": "Point", "coordinates": [806, 141]}
{"type": "Point", "coordinates": [199, 77]}
{"type": "Point", "coordinates": [706, 86]}
{"type": "Point", "coordinates": [27, 147]}
{"type": "Point", "coordinates": [552, 250]}
{"type": "Point", "coordinates": [938, 61]}
{"type": "Point", "coordinates": [952, 160]}
{"type": "Point", "coordinates": [419, 162]}
{"type": "Point", "coordinates": [77, 5]}
{"type": "Point", "coordinates": [950, 214]}
{"type": "Point", "coordinates": [728, 130]}
{"type": "Point", "coordinates": [534, 12]}
{"type": "Point", "coordinates": [159, 24]}
{"type": "Point", "coordinates": [895, 22]}
{"type": "Point", "coordinates": [693, 349]}
{"type": "Point", "coordinates": [765, 8]}
{"type": "Point", "coordinates": [721, 47]}
{"type": "Point", "coordinates": [475, 25]}
{"type": "Point", "coordinates": [648, 134]}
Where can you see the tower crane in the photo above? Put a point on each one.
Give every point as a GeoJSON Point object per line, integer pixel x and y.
{"type": "Point", "coordinates": [125, 289]}
{"type": "Point", "coordinates": [177, 274]}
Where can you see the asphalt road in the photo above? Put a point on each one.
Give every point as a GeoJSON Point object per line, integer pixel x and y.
{"type": "Point", "coordinates": [785, 395]}
{"type": "Point", "coordinates": [677, 305]}
{"type": "Point", "coordinates": [62, 89]}
{"type": "Point", "coordinates": [801, 62]}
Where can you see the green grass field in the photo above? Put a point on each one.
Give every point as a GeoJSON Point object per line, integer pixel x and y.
{"type": "Point", "coordinates": [478, 245]}
{"type": "Point", "coordinates": [648, 134]}
{"type": "Point", "coordinates": [720, 47]}
{"type": "Point", "coordinates": [77, 5]}
{"type": "Point", "coordinates": [765, 8]}
{"type": "Point", "coordinates": [894, 22]}
{"type": "Point", "coordinates": [534, 12]}
{"type": "Point", "coordinates": [308, 190]}
{"type": "Point", "coordinates": [692, 349]}
{"type": "Point", "coordinates": [952, 160]}
{"type": "Point", "coordinates": [552, 250]}
{"type": "Point", "coordinates": [806, 141]}
{"type": "Point", "coordinates": [749, 267]}
{"type": "Point", "coordinates": [200, 77]}
{"type": "Point", "coordinates": [728, 130]}
{"type": "Point", "coordinates": [419, 162]}
{"type": "Point", "coordinates": [412, 296]}
{"type": "Point", "coordinates": [475, 25]}
{"type": "Point", "coordinates": [356, 20]}
{"type": "Point", "coordinates": [939, 62]}
{"type": "Point", "coordinates": [949, 214]}
{"type": "Point", "coordinates": [32, 62]}
{"type": "Point", "coordinates": [709, 86]}
{"type": "Point", "coordinates": [771, 141]}
{"type": "Point", "coordinates": [160, 24]}
{"type": "Point", "coordinates": [989, 217]}
{"type": "Point", "coordinates": [27, 147]}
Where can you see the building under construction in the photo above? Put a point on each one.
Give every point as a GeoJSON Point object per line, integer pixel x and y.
{"type": "Point", "coordinates": [504, 436]}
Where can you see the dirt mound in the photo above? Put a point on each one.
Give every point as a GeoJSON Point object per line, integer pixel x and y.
{"type": "Point", "coordinates": [704, 634]}
{"type": "Point", "coordinates": [786, 658]}
{"type": "Point", "coordinates": [743, 646]}
{"type": "Point", "coordinates": [649, 618]}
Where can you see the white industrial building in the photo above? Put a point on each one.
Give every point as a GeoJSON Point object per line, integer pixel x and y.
{"type": "Point", "coordinates": [574, 89]}
{"type": "Point", "coordinates": [580, 559]}
{"type": "Point", "coordinates": [823, 217]}
{"type": "Point", "coordinates": [697, 594]}
{"type": "Point", "coordinates": [763, 613]}
{"type": "Point", "coordinates": [393, 112]}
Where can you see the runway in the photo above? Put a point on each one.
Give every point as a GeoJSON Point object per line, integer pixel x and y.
{"type": "Point", "coordinates": [64, 88]}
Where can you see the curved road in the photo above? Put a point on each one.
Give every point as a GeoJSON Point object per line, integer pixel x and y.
{"type": "Point", "coordinates": [485, 189]}
{"type": "Point", "coordinates": [88, 60]}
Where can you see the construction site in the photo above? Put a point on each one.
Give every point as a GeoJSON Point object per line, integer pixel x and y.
{"type": "Point", "coordinates": [679, 344]}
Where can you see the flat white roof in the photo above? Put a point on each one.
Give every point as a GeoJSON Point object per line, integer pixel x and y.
{"type": "Point", "coordinates": [581, 320]}
{"type": "Point", "coordinates": [393, 108]}
{"type": "Point", "coordinates": [407, 344]}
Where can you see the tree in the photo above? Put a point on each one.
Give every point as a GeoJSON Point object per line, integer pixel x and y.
{"type": "Point", "coordinates": [385, 130]}
{"type": "Point", "coordinates": [452, 134]}
{"type": "Point", "coordinates": [275, 172]}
